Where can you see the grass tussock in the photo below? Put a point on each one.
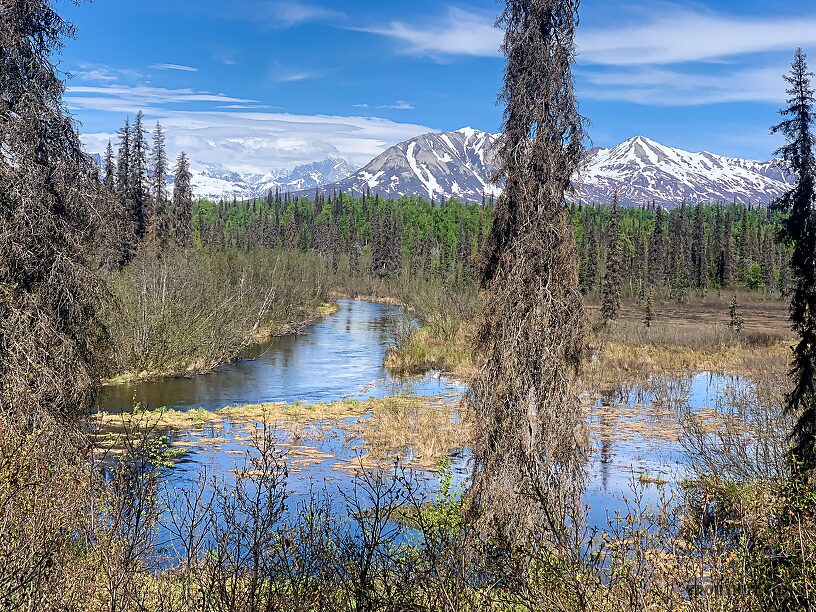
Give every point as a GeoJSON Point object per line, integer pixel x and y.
{"type": "Point", "coordinates": [428, 350]}
{"type": "Point", "coordinates": [416, 431]}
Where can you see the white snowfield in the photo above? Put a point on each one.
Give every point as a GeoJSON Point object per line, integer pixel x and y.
{"type": "Point", "coordinates": [216, 183]}
{"type": "Point", "coordinates": [645, 171]}
{"type": "Point", "coordinates": [459, 164]}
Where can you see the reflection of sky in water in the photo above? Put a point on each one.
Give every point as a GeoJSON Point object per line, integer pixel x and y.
{"type": "Point", "coordinates": [341, 358]}
{"type": "Point", "coordinates": [341, 355]}
{"type": "Point", "coordinates": [617, 462]}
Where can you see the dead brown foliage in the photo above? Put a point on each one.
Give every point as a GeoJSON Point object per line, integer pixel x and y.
{"type": "Point", "coordinates": [530, 440]}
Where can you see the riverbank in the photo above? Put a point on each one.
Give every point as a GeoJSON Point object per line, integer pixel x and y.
{"type": "Point", "coordinates": [187, 311]}
{"type": "Point", "coordinates": [264, 334]}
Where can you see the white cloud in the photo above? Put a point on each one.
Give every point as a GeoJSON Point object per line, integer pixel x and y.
{"type": "Point", "coordinates": [678, 35]}
{"type": "Point", "coordinates": [102, 73]}
{"type": "Point", "coordinates": [654, 57]}
{"type": "Point", "coordinates": [658, 86]}
{"type": "Point", "coordinates": [294, 77]}
{"type": "Point", "coordinates": [280, 13]}
{"type": "Point", "coordinates": [242, 139]}
{"type": "Point", "coordinates": [293, 13]}
{"type": "Point", "coordinates": [460, 32]}
{"type": "Point", "coordinates": [130, 98]}
{"type": "Point", "coordinates": [667, 34]}
{"type": "Point", "coordinates": [398, 105]}
{"type": "Point", "coordinates": [178, 67]}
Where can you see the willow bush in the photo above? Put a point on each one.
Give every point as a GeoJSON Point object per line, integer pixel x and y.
{"type": "Point", "coordinates": [189, 310]}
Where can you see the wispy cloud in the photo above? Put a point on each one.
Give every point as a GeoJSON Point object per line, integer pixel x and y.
{"type": "Point", "coordinates": [398, 105]}
{"type": "Point", "coordinates": [256, 142]}
{"type": "Point", "coordinates": [663, 54]}
{"type": "Point", "coordinates": [293, 13]}
{"type": "Point", "coordinates": [667, 34]}
{"type": "Point", "coordinates": [178, 67]}
{"type": "Point", "coordinates": [678, 35]}
{"type": "Point", "coordinates": [459, 32]}
{"type": "Point", "coordinates": [275, 13]}
{"type": "Point", "coordinates": [659, 86]}
{"type": "Point", "coordinates": [102, 73]}
{"type": "Point", "coordinates": [294, 77]}
{"type": "Point", "coordinates": [131, 98]}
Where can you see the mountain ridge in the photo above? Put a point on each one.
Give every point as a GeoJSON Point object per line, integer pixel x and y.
{"type": "Point", "coordinates": [641, 170]}
{"type": "Point", "coordinates": [443, 165]}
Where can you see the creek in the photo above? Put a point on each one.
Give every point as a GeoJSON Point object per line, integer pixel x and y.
{"type": "Point", "coordinates": [634, 430]}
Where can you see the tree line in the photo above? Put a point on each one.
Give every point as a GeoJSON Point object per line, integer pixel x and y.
{"type": "Point", "coordinates": [685, 250]}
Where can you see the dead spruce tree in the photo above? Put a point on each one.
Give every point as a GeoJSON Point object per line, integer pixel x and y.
{"type": "Point", "coordinates": [48, 293]}
{"type": "Point", "coordinates": [530, 445]}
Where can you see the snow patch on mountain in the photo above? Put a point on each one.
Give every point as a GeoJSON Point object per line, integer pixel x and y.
{"type": "Point", "coordinates": [217, 182]}
{"type": "Point", "coordinates": [435, 165]}
{"type": "Point", "coordinates": [461, 164]}
{"type": "Point", "coordinates": [642, 170]}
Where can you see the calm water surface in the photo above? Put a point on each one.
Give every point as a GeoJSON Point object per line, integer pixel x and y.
{"type": "Point", "coordinates": [339, 357]}
{"type": "Point", "coordinates": [342, 356]}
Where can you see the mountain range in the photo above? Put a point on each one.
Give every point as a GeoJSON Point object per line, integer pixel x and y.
{"type": "Point", "coordinates": [460, 164]}
{"type": "Point", "coordinates": [216, 182]}
{"type": "Point", "coordinates": [641, 170]}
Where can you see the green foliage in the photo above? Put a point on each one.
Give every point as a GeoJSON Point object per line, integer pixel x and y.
{"type": "Point", "coordinates": [755, 279]}
{"type": "Point", "coordinates": [446, 513]}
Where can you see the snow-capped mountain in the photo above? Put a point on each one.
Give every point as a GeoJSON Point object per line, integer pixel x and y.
{"type": "Point", "coordinates": [439, 165]}
{"type": "Point", "coordinates": [216, 182]}
{"type": "Point", "coordinates": [458, 164]}
{"type": "Point", "coordinates": [642, 171]}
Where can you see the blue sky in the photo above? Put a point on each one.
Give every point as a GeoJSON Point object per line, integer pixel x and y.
{"type": "Point", "coordinates": [262, 84]}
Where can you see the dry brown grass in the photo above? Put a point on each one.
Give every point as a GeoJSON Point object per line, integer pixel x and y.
{"type": "Point", "coordinates": [690, 337]}
{"type": "Point", "coordinates": [425, 350]}
{"type": "Point", "coordinates": [417, 431]}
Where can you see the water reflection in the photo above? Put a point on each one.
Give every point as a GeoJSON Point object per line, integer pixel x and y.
{"type": "Point", "coordinates": [636, 432]}
{"type": "Point", "coordinates": [340, 356]}
{"type": "Point", "coordinates": [635, 429]}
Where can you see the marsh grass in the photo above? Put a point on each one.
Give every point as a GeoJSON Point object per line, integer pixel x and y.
{"type": "Point", "coordinates": [416, 431]}
{"type": "Point", "coordinates": [683, 337]}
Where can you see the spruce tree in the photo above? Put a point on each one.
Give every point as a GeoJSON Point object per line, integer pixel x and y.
{"type": "Point", "coordinates": [139, 191]}
{"type": "Point", "coordinates": [182, 201]}
{"type": "Point", "coordinates": [50, 334]}
{"type": "Point", "coordinates": [657, 250]}
{"type": "Point", "coordinates": [735, 320]}
{"type": "Point", "coordinates": [611, 299]}
{"type": "Point", "coordinates": [157, 221]}
{"type": "Point", "coordinates": [109, 174]}
{"type": "Point", "coordinates": [123, 163]}
{"type": "Point", "coordinates": [648, 310]}
{"type": "Point", "coordinates": [800, 227]}
{"type": "Point", "coordinates": [699, 252]}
